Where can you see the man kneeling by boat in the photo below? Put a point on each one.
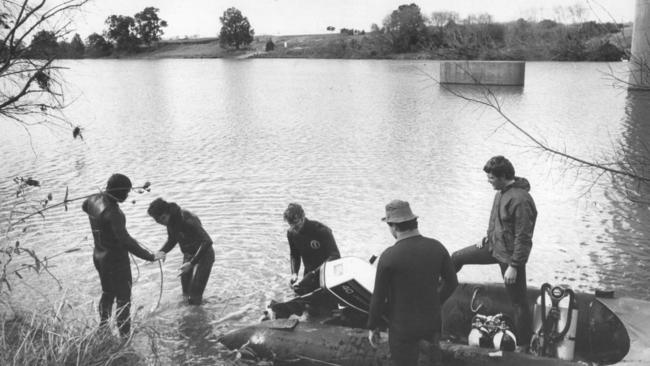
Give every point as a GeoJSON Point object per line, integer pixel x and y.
{"type": "Point", "coordinates": [312, 244]}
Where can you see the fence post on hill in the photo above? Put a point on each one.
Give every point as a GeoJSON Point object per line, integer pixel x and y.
{"type": "Point", "coordinates": [640, 59]}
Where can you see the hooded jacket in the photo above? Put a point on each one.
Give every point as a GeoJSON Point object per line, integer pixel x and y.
{"type": "Point", "coordinates": [112, 242]}
{"type": "Point", "coordinates": [512, 222]}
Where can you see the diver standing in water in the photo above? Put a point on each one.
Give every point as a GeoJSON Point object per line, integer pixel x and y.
{"type": "Point", "coordinates": [112, 247]}
{"type": "Point", "coordinates": [508, 241]}
{"type": "Point", "coordinates": [184, 228]}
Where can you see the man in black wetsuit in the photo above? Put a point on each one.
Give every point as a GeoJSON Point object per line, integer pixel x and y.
{"type": "Point", "coordinates": [112, 247]}
{"type": "Point", "coordinates": [184, 228]}
{"type": "Point", "coordinates": [312, 243]}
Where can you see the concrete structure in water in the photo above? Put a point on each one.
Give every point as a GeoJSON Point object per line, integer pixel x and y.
{"type": "Point", "coordinates": [640, 60]}
{"type": "Point", "coordinates": [483, 72]}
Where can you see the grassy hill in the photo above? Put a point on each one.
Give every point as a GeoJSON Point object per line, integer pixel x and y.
{"type": "Point", "coordinates": [379, 46]}
{"type": "Point", "coordinates": [285, 46]}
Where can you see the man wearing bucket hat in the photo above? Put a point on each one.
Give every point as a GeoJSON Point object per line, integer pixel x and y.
{"type": "Point", "coordinates": [414, 278]}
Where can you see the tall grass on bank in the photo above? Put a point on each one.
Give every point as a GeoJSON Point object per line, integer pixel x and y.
{"type": "Point", "coordinates": [54, 338]}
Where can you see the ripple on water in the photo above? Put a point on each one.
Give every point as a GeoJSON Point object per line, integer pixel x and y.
{"type": "Point", "coordinates": [235, 142]}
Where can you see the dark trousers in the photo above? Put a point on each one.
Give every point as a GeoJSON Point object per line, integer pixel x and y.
{"type": "Point", "coordinates": [116, 287]}
{"type": "Point", "coordinates": [408, 350]}
{"type": "Point", "coordinates": [516, 291]}
{"type": "Point", "coordinates": [195, 280]}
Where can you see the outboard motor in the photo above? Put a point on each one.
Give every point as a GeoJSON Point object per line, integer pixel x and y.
{"type": "Point", "coordinates": [555, 321]}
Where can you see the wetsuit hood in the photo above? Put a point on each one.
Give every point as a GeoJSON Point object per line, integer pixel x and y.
{"type": "Point", "coordinates": [119, 186]}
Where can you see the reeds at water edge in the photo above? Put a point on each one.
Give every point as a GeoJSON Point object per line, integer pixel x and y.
{"type": "Point", "coordinates": [59, 336]}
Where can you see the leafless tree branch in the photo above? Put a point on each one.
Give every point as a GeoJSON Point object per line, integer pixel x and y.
{"type": "Point", "coordinates": [489, 99]}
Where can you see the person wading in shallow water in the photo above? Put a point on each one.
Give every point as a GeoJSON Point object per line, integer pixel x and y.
{"type": "Point", "coordinates": [508, 241]}
{"type": "Point", "coordinates": [112, 247]}
{"type": "Point", "coordinates": [414, 278]}
{"type": "Point", "coordinates": [184, 228]}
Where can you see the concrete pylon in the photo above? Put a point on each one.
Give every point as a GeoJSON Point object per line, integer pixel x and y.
{"type": "Point", "coordinates": [640, 58]}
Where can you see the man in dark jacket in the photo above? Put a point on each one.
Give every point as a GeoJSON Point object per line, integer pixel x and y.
{"type": "Point", "coordinates": [508, 241]}
{"type": "Point", "coordinates": [112, 247]}
{"type": "Point", "coordinates": [414, 278]}
{"type": "Point", "coordinates": [313, 244]}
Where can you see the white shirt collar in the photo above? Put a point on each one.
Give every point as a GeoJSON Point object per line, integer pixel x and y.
{"type": "Point", "coordinates": [401, 235]}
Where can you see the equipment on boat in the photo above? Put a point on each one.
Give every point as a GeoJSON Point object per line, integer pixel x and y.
{"type": "Point", "coordinates": [492, 331]}
{"type": "Point", "coordinates": [599, 335]}
{"type": "Point", "coordinates": [351, 280]}
{"type": "Point", "coordinates": [292, 342]}
{"type": "Point", "coordinates": [479, 336]}
{"type": "Point", "coordinates": [555, 322]}
{"type": "Point", "coordinates": [504, 340]}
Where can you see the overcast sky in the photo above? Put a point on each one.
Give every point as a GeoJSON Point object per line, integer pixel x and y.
{"type": "Point", "coordinates": [283, 17]}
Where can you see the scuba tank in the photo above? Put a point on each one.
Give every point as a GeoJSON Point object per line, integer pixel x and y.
{"type": "Point", "coordinates": [492, 332]}
{"type": "Point", "coordinates": [555, 321]}
{"type": "Point", "coordinates": [504, 340]}
{"type": "Point", "coordinates": [479, 336]}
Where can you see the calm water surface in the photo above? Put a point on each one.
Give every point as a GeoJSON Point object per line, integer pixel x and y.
{"type": "Point", "coordinates": [235, 141]}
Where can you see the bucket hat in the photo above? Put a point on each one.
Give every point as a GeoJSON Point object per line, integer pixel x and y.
{"type": "Point", "coordinates": [398, 211]}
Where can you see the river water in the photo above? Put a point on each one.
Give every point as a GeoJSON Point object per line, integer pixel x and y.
{"type": "Point", "coordinates": [236, 141]}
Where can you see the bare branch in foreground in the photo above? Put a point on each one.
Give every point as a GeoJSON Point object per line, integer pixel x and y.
{"type": "Point", "coordinates": [489, 99]}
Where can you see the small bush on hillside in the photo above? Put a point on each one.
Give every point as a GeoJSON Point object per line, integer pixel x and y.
{"type": "Point", "coordinates": [270, 46]}
{"type": "Point", "coordinates": [606, 52]}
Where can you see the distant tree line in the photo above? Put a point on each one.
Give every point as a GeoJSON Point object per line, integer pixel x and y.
{"type": "Point", "coordinates": [445, 35]}
{"type": "Point", "coordinates": [442, 35]}
{"type": "Point", "coordinates": [127, 35]}
{"type": "Point", "coordinates": [124, 35]}
{"type": "Point", "coordinates": [477, 36]}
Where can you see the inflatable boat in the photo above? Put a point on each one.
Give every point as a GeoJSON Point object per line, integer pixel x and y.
{"type": "Point", "coordinates": [570, 328]}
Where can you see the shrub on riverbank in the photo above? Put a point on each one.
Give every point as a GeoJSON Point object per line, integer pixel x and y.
{"type": "Point", "coordinates": [521, 40]}
{"type": "Point", "coordinates": [50, 338]}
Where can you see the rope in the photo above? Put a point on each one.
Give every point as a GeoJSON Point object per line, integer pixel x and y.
{"type": "Point", "coordinates": [162, 280]}
{"type": "Point", "coordinates": [471, 304]}
{"type": "Point", "coordinates": [161, 286]}
{"type": "Point", "coordinates": [137, 267]}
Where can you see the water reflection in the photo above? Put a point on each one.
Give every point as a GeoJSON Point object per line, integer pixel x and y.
{"type": "Point", "coordinates": [188, 338]}
{"type": "Point", "coordinates": [234, 142]}
{"type": "Point", "coordinates": [504, 91]}
{"type": "Point", "coordinates": [626, 265]}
